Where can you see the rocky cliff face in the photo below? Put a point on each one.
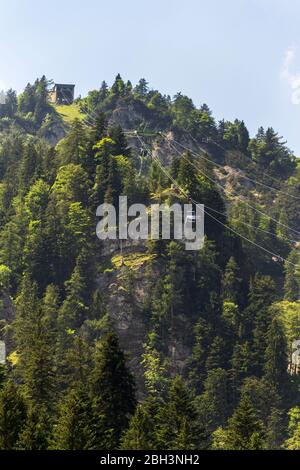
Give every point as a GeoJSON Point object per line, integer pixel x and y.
{"type": "Point", "coordinates": [128, 289]}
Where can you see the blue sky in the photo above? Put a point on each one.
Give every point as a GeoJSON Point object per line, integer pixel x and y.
{"type": "Point", "coordinates": [241, 57]}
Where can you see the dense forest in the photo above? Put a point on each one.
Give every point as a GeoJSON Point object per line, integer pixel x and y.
{"type": "Point", "coordinates": [145, 345]}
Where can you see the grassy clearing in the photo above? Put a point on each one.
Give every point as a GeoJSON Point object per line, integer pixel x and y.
{"type": "Point", "coordinates": [70, 112]}
{"type": "Point", "coordinates": [133, 261]}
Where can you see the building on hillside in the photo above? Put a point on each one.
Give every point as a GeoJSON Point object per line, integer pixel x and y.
{"type": "Point", "coordinates": [62, 94]}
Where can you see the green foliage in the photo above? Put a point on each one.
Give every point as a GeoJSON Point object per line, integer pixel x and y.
{"type": "Point", "coordinates": [231, 283]}
{"type": "Point", "coordinates": [36, 432]}
{"type": "Point", "coordinates": [292, 277]}
{"type": "Point", "coordinates": [244, 432]}
{"type": "Point", "coordinates": [269, 152]}
{"type": "Point", "coordinates": [293, 441]}
{"type": "Point", "coordinates": [225, 317]}
{"type": "Point", "coordinates": [177, 427]}
{"type": "Point", "coordinates": [112, 391]}
{"type": "Point", "coordinates": [140, 434]}
{"type": "Point", "coordinates": [12, 416]}
{"type": "Point", "coordinates": [74, 429]}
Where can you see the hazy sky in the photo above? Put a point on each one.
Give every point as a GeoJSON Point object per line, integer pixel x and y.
{"type": "Point", "coordinates": [241, 57]}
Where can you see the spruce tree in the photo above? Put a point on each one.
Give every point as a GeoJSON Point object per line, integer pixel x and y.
{"type": "Point", "coordinates": [140, 434]}
{"type": "Point", "coordinates": [120, 146]}
{"type": "Point", "coordinates": [112, 390]}
{"type": "Point", "coordinates": [214, 404]}
{"type": "Point", "coordinates": [177, 419]}
{"type": "Point", "coordinates": [292, 277]}
{"type": "Point", "coordinates": [276, 358]}
{"type": "Point", "coordinates": [34, 338]}
{"type": "Point", "coordinates": [293, 440]}
{"type": "Point", "coordinates": [74, 429]}
{"type": "Point", "coordinates": [231, 282]}
{"type": "Point", "coordinates": [257, 317]}
{"type": "Point", "coordinates": [36, 432]}
{"type": "Point", "coordinates": [12, 416]}
{"type": "Point", "coordinates": [245, 430]}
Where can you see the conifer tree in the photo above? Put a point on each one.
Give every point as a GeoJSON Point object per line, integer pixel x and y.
{"type": "Point", "coordinates": [293, 440]}
{"type": "Point", "coordinates": [177, 419]}
{"type": "Point", "coordinates": [241, 362]}
{"type": "Point", "coordinates": [141, 89]}
{"type": "Point", "coordinates": [275, 429]}
{"type": "Point", "coordinates": [120, 146]}
{"type": "Point", "coordinates": [36, 431]}
{"type": "Point", "coordinates": [216, 357]}
{"type": "Point", "coordinates": [202, 339]}
{"type": "Point", "coordinates": [231, 282]}
{"type": "Point", "coordinates": [74, 147]}
{"type": "Point", "coordinates": [12, 416]}
{"type": "Point", "coordinates": [257, 317]}
{"type": "Point", "coordinates": [140, 434]}
{"type": "Point", "coordinates": [187, 178]}
{"type": "Point", "coordinates": [275, 366]}
{"type": "Point", "coordinates": [74, 429]}
{"type": "Point", "coordinates": [118, 88]}
{"type": "Point", "coordinates": [97, 133]}
{"type": "Point", "coordinates": [214, 404]}
{"type": "Point", "coordinates": [35, 347]}
{"type": "Point", "coordinates": [112, 390]}
{"type": "Point", "coordinates": [75, 308]}
{"type": "Point", "coordinates": [292, 277]}
{"type": "Point", "coordinates": [245, 430]}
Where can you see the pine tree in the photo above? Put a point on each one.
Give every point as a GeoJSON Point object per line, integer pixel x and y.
{"type": "Point", "coordinates": [216, 357]}
{"type": "Point", "coordinates": [202, 340]}
{"type": "Point", "coordinates": [35, 347]}
{"type": "Point", "coordinates": [12, 416]}
{"type": "Point", "coordinates": [118, 87]}
{"type": "Point", "coordinates": [120, 146]}
{"type": "Point", "coordinates": [243, 136]}
{"type": "Point", "coordinates": [113, 391]}
{"type": "Point", "coordinates": [231, 282]}
{"type": "Point", "coordinates": [187, 178]}
{"type": "Point", "coordinates": [275, 429]}
{"type": "Point", "coordinates": [140, 434]}
{"type": "Point", "coordinates": [241, 362]}
{"type": "Point", "coordinates": [292, 277]}
{"type": "Point", "coordinates": [276, 362]}
{"type": "Point", "coordinates": [141, 89]}
{"type": "Point", "coordinates": [97, 133]}
{"type": "Point", "coordinates": [74, 146]}
{"type": "Point", "coordinates": [177, 419]}
{"type": "Point", "coordinates": [74, 429]}
{"type": "Point", "coordinates": [257, 317]}
{"type": "Point", "coordinates": [29, 167]}
{"type": "Point", "coordinates": [214, 405]}
{"type": "Point", "coordinates": [293, 441]}
{"type": "Point", "coordinates": [36, 432]}
{"type": "Point", "coordinates": [245, 430]}
{"type": "Point", "coordinates": [103, 92]}
{"type": "Point", "coordinates": [75, 308]}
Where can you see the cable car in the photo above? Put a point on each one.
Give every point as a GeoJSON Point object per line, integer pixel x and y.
{"type": "Point", "coordinates": [190, 217]}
